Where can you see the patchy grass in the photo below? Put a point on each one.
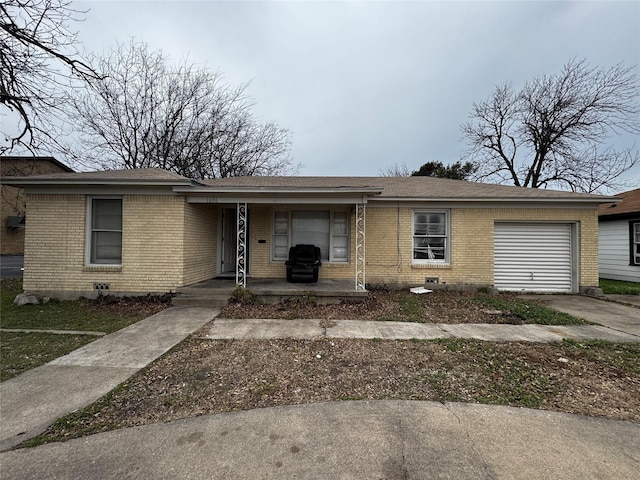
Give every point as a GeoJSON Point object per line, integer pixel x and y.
{"type": "Point", "coordinates": [201, 377]}
{"type": "Point", "coordinates": [527, 311]}
{"type": "Point", "coordinates": [22, 351]}
{"type": "Point", "coordinates": [618, 287]}
{"type": "Point", "coordinates": [106, 314]}
{"type": "Point", "coordinates": [409, 309]}
{"type": "Point", "coordinates": [441, 306]}
{"type": "Point", "coordinates": [625, 356]}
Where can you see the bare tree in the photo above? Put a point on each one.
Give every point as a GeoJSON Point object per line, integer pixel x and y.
{"type": "Point", "coordinates": [37, 61]}
{"type": "Point", "coordinates": [397, 170]}
{"type": "Point", "coordinates": [147, 112]}
{"type": "Point", "coordinates": [553, 132]}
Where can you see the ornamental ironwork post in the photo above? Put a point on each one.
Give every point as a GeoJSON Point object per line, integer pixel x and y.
{"type": "Point", "coordinates": [241, 244]}
{"type": "Point", "coordinates": [360, 246]}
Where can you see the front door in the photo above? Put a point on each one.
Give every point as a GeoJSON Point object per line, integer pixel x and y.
{"type": "Point", "coordinates": [229, 239]}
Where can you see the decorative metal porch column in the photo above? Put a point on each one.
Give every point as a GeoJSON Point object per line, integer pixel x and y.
{"type": "Point", "coordinates": [241, 244]}
{"type": "Point", "coordinates": [360, 246]}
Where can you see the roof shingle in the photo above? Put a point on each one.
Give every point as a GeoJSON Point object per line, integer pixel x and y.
{"type": "Point", "coordinates": [630, 204]}
{"type": "Point", "coordinates": [404, 187]}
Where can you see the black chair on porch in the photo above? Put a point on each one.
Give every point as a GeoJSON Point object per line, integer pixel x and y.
{"type": "Point", "coordinates": [303, 264]}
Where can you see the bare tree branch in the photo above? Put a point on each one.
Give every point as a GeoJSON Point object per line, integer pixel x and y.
{"type": "Point", "coordinates": [37, 62]}
{"type": "Point", "coordinates": [397, 170]}
{"type": "Point", "coordinates": [147, 112]}
{"type": "Point", "coordinates": [554, 132]}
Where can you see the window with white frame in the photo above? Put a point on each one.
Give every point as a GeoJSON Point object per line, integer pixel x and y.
{"type": "Point", "coordinates": [430, 236]}
{"type": "Point", "coordinates": [326, 229]}
{"type": "Point", "coordinates": [635, 243]}
{"type": "Point", "coordinates": [104, 243]}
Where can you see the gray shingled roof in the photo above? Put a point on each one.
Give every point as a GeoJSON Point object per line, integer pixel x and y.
{"type": "Point", "coordinates": [404, 187]}
{"type": "Point", "coordinates": [130, 176]}
{"type": "Point", "coordinates": [418, 188]}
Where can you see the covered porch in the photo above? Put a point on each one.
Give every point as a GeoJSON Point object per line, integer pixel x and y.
{"type": "Point", "coordinates": [217, 291]}
{"type": "Point", "coordinates": [257, 226]}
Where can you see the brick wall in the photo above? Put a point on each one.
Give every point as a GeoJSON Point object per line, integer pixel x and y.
{"type": "Point", "coordinates": [153, 246]}
{"type": "Point", "coordinates": [200, 242]}
{"type": "Point", "coordinates": [168, 243]}
{"type": "Point", "coordinates": [389, 248]}
{"type": "Point", "coordinates": [471, 244]}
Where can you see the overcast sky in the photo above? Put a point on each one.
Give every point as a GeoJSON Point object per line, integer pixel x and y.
{"type": "Point", "coordinates": [365, 85]}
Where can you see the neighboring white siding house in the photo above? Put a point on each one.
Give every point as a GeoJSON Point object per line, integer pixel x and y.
{"type": "Point", "coordinates": [619, 238]}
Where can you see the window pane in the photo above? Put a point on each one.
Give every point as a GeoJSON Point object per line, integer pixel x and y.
{"type": "Point", "coordinates": [636, 232]}
{"type": "Point", "coordinates": [340, 248]}
{"type": "Point", "coordinates": [281, 247]}
{"type": "Point", "coordinates": [430, 224]}
{"type": "Point", "coordinates": [311, 227]}
{"type": "Point", "coordinates": [340, 223]}
{"type": "Point", "coordinates": [281, 226]}
{"type": "Point", "coordinates": [107, 247]}
{"type": "Point", "coordinates": [107, 214]}
{"type": "Point", "coordinates": [429, 248]}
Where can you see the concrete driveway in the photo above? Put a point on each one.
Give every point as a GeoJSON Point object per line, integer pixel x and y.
{"type": "Point", "coordinates": [11, 266]}
{"type": "Point", "coordinates": [623, 318]}
{"type": "Point", "coordinates": [349, 440]}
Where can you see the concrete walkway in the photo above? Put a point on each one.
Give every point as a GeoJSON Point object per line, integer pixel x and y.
{"type": "Point", "coordinates": [224, 328]}
{"type": "Point", "coordinates": [349, 440]}
{"type": "Point", "coordinates": [33, 400]}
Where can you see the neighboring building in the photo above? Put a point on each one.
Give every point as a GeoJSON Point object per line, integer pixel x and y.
{"type": "Point", "coordinates": [13, 198]}
{"type": "Point", "coordinates": [149, 230]}
{"type": "Point", "coordinates": [619, 238]}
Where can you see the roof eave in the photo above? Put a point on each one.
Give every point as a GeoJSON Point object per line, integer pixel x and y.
{"type": "Point", "coordinates": [26, 182]}
{"type": "Point", "coordinates": [204, 189]}
{"type": "Point", "coordinates": [597, 200]}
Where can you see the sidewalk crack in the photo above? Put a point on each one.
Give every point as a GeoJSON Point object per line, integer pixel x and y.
{"type": "Point", "coordinates": [403, 465]}
{"type": "Point", "coordinates": [487, 468]}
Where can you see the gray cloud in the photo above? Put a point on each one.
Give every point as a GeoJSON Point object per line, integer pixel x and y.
{"type": "Point", "coordinates": [364, 85]}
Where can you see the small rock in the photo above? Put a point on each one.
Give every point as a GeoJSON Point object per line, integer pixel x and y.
{"type": "Point", "coordinates": [563, 360]}
{"type": "Point", "coordinates": [26, 299]}
{"type": "Point", "coordinates": [46, 300]}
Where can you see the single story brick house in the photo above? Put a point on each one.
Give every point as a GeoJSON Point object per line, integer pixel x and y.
{"type": "Point", "coordinates": [619, 239]}
{"type": "Point", "coordinates": [153, 231]}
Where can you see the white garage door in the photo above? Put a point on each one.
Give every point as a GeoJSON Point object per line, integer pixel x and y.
{"type": "Point", "coordinates": [532, 257]}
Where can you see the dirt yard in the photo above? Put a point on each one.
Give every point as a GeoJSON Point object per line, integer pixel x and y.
{"type": "Point", "coordinates": [202, 376]}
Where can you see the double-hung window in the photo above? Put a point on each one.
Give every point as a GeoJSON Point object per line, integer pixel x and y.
{"type": "Point", "coordinates": [634, 231]}
{"type": "Point", "coordinates": [326, 229]}
{"type": "Point", "coordinates": [105, 231]}
{"type": "Point", "coordinates": [430, 236]}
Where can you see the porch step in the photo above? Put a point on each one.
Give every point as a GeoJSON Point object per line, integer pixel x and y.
{"type": "Point", "coordinates": [189, 300]}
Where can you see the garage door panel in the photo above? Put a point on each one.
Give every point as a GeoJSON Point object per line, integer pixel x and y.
{"type": "Point", "coordinates": [532, 257]}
